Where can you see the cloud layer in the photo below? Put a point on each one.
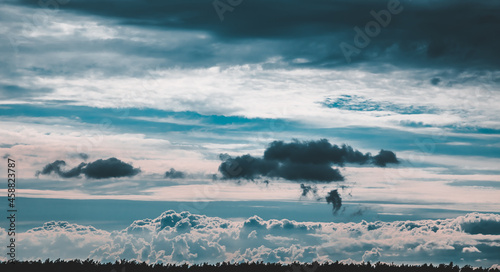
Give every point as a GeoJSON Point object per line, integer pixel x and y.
{"type": "Point", "coordinates": [99, 169]}
{"type": "Point", "coordinates": [184, 237]}
{"type": "Point", "coordinates": [446, 34]}
{"type": "Point", "coordinates": [300, 161]}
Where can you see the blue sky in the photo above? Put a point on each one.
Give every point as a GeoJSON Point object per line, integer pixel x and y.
{"type": "Point", "coordinates": [122, 111]}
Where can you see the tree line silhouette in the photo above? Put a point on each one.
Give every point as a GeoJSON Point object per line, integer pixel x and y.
{"type": "Point", "coordinates": [133, 266]}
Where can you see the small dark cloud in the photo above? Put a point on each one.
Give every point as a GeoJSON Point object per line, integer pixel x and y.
{"type": "Point", "coordinates": [435, 81]}
{"type": "Point", "coordinates": [110, 168]}
{"type": "Point", "coordinates": [100, 169]}
{"type": "Point", "coordinates": [334, 198]}
{"type": "Point", "coordinates": [174, 174]}
{"type": "Point", "coordinates": [6, 156]}
{"type": "Point", "coordinates": [384, 157]}
{"type": "Point", "coordinates": [83, 156]}
{"type": "Point", "coordinates": [300, 161]}
{"type": "Point", "coordinates": [308, 188]}
{"type": "Point", "coordinates": [56, 167]}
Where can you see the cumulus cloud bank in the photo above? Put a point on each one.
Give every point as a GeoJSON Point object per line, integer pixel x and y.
{"type": "Point", "coordinates": [99, 169]}
{"type": "Point", "coordinates": [300, 161]}
{"type": "Point", "coordinates": [185, 237]}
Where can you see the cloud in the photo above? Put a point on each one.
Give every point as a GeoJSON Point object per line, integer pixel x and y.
{"type": "Point", "coordinates": [308, 188]}
{"type": "Point", "coordinates": [11, 92]}
{"type": "Point", "coordinates": [360, 103]}
{"type": "Point", "coordinates": [446, 36]}
{"type": "Point", "coordinates": [316, 152]}
{"type": "Point", "coordinates": [246, 167]}
{"type": "Point", "coordinates": [384, 157]}
{"type": "Point", "coordinates": [56, 166]}
{"type": "Point", "coordinates": [334, 198]}
{"type": "Point", "coordinates": [435, 81]}
{"type": "Point", "coordinates": [174, 174]}
{"type": "Point", "coordinates": [479, 224]}
{"type": "Point", "coordinates": [178, 237]}
{"type": "Point", "coordinates": [83, 156]}
{"type": "Point", "coordinates": [100, 169]}
{"type": "Point", "coordinates": [372, 256]}
{"type": "Point", "coordinates": [61, 239]}
{"type": "Point", "coordinates": [300, 161]}
{"type": "Point", "coordinates": [471, 249]}
{"type": "Point", "coordinates": [110, 168]}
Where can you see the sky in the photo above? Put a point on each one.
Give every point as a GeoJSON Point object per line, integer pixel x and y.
{"type": "Point", "coordinates": [250, 130]}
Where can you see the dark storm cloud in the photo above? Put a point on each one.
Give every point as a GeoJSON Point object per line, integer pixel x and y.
{"type": "Point", "coordinates": [100, 169]}
{"type": "Point", "coordinates": [447, 33]}
{"type": "Point", "coordinates": [334, 198]}
{"type": "Point", "coordinates": [300, 161]}
{"type": "Point", "coordinates": [174, 174]}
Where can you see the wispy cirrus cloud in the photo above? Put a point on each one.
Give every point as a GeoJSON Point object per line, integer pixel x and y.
{"type": "Point", "coordinates": [359, 103]}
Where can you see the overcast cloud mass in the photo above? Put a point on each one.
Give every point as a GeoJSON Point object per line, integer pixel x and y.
{"type": "Point", "coordinates": [274, 130]}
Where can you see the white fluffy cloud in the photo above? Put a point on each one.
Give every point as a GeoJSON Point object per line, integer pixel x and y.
{"type": "Point", "coordinates": [184, 237]}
